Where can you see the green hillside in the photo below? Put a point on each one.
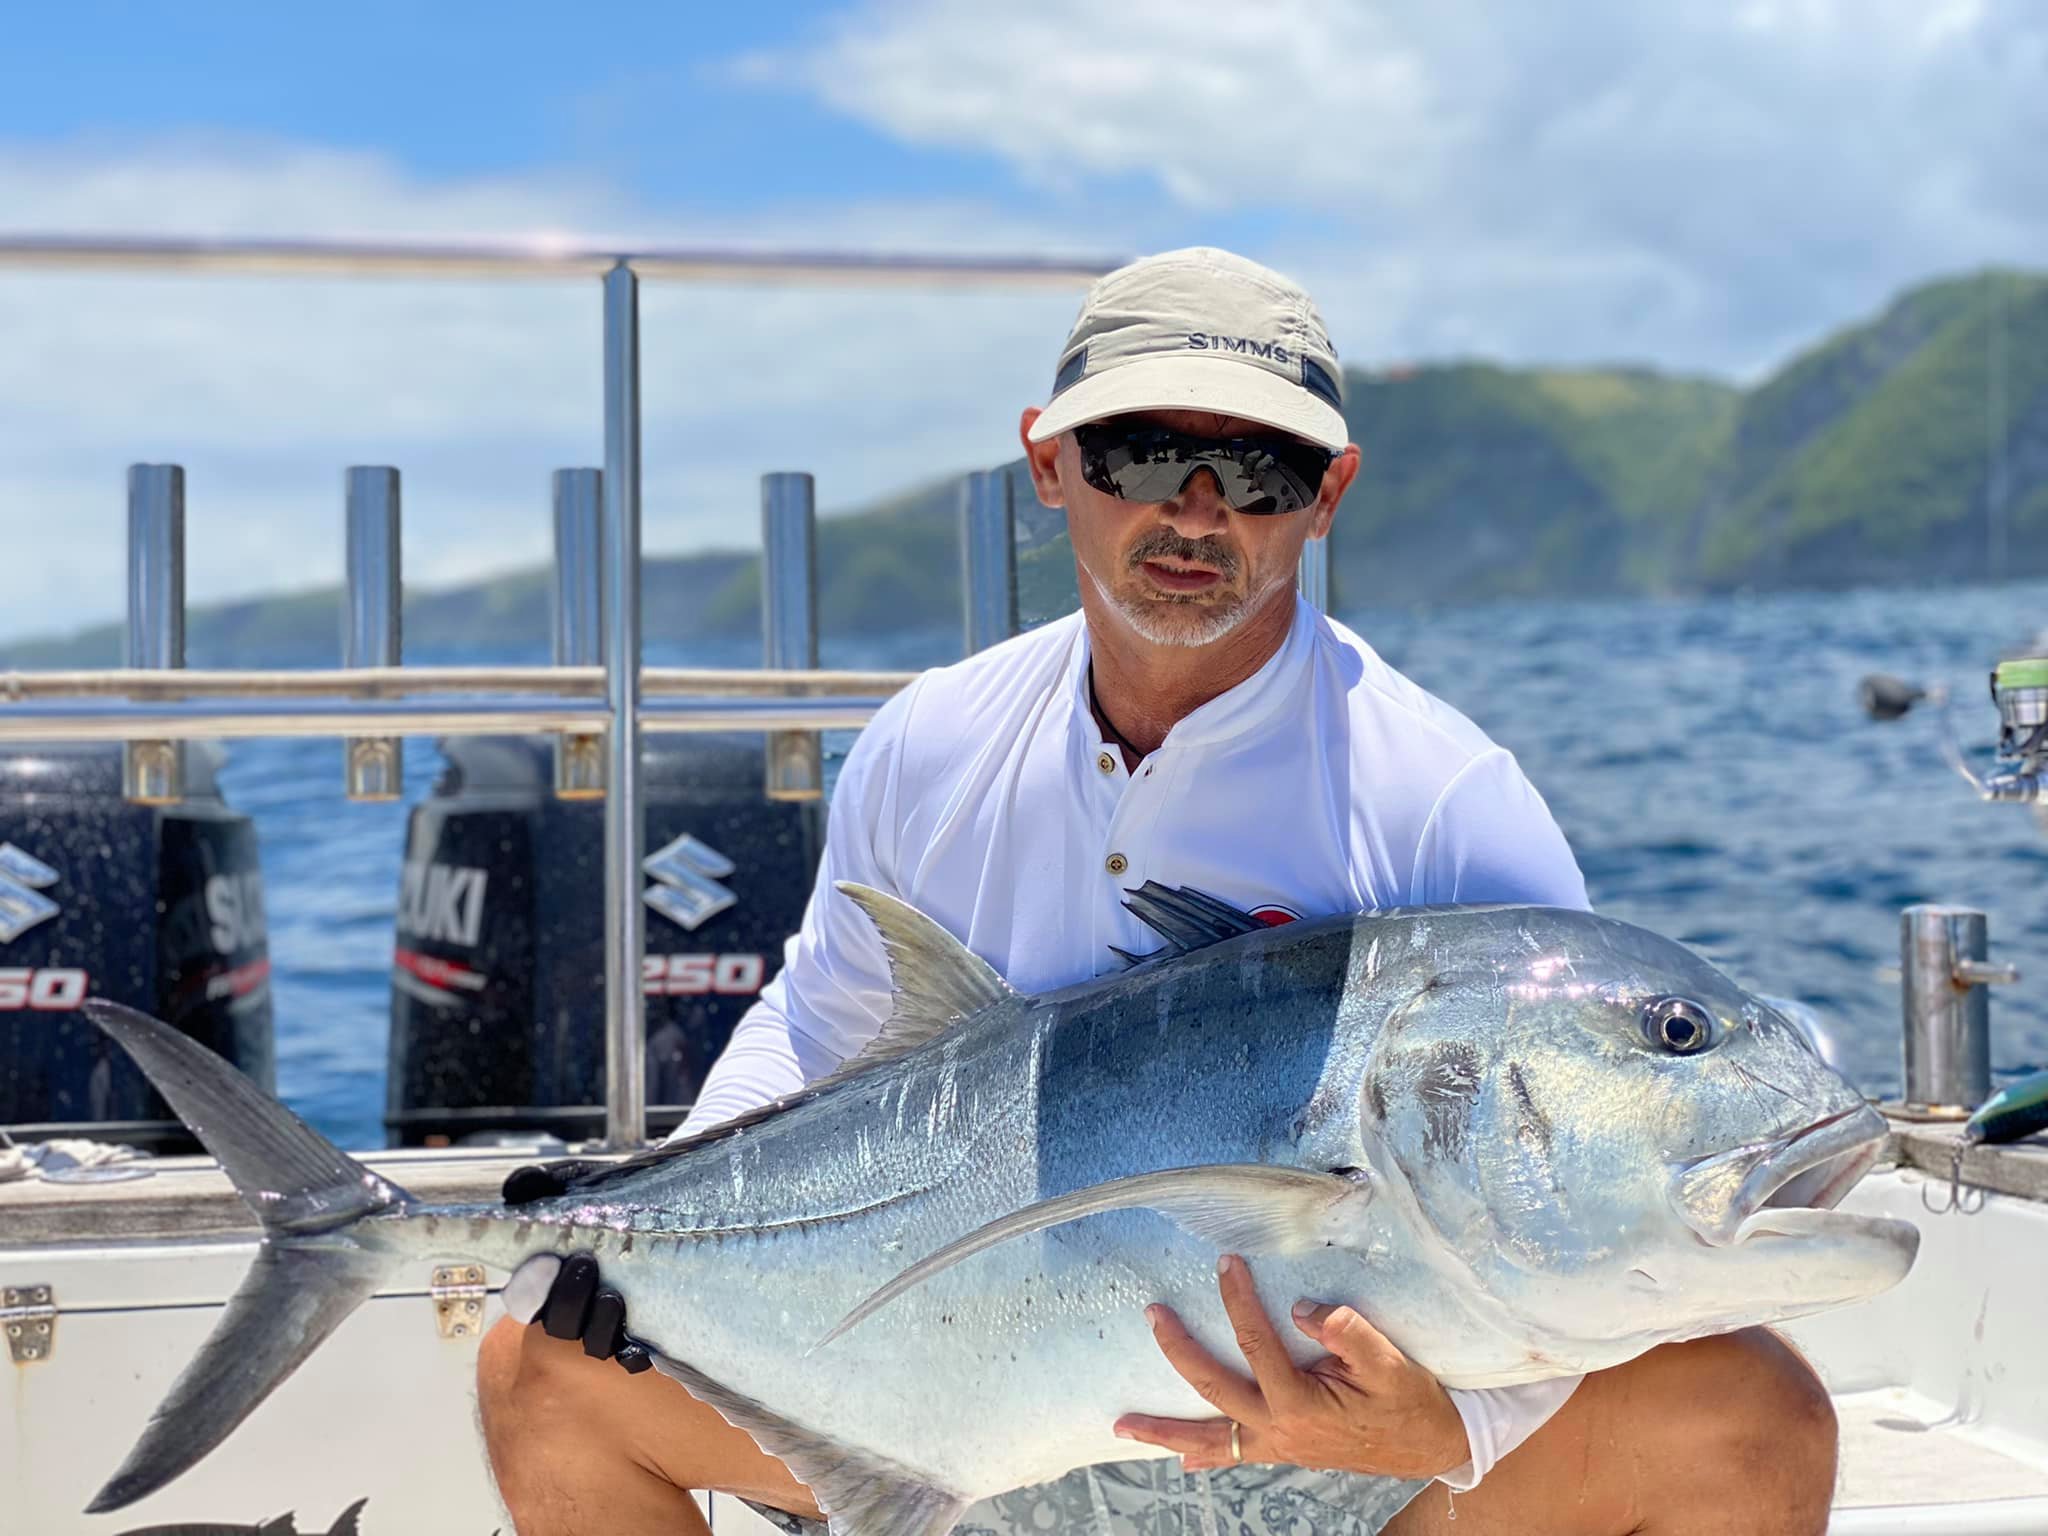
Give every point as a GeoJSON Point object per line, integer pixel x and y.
{"type": "Point", "coordinates": [1863, 460]}
{"type": "Point", "coordinates": [1495, 482]}
{"type": "Point", "coordinates": [1868, 458]}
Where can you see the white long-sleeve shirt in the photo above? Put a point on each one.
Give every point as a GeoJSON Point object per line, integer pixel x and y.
{"type": "Point", "coordinates": [985, 795]}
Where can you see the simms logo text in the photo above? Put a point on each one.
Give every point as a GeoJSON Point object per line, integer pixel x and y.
{"type": "Point", "coordinates": [1272, 351]}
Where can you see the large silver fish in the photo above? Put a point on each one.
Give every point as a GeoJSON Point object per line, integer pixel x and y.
{"type": "Point", "coordinates": [1524, 1142]}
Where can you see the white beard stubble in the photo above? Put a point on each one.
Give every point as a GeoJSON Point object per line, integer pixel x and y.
{"type": "Point", "coordinates": [1188, 621]}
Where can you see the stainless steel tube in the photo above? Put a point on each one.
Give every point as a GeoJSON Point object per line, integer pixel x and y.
{"type": "Point", "coordinates": [625, 1014]}
{"type": "Point", "coordinates": [536, 256]}
{"type": "Point", "coordinates": [153, 771]}
{"type": "Point", "coordinates": [420, 682]}
{"type": "Point", "coordinates": [185, 720]}
{"type": "Point", "coordinates": [1947, 1045]}
{"type": "Point", "coordinates": [988, 558]}
{"type": "Point", "coordinates": [373, 766]}
{"type": "Point", "coordinates": [1313, 576]}
{"type": "Point", "coordinates": [789, 620]}
{"type": "Point", "coordinates": [579, 616]}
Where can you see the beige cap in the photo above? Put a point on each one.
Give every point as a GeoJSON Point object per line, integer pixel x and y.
{"type": "Point", "coordinates": [1199, 330]}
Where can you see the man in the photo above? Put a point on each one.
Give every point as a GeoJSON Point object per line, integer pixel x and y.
{"type": "Point", "coordinates": [1198, 725]}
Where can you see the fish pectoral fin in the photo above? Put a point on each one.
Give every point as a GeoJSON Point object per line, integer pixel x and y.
{"type": "Point", "coordinates": [1240, 1207]}
{"type": "Point", "coordinates": [861, 1494]}
{"type": "Point", "coordinates": [938, 980]}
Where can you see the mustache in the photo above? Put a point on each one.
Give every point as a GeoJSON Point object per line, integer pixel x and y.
{"type": "Point", "coordinates": [1165, 544]}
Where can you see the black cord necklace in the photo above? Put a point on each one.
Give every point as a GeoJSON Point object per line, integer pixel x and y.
{"type": "Point", "coordinates": [1102, 715]}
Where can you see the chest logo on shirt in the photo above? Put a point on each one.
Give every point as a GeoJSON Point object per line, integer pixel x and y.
{"type": "Point", "coordinates": [1273, 916]}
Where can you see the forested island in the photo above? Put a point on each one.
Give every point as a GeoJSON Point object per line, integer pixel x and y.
{"type": "Point", "coordinates": [1867, 459]}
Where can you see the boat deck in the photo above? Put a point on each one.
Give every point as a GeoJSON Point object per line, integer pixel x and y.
{"type": "Point", "coordinates": [1899, 1447]}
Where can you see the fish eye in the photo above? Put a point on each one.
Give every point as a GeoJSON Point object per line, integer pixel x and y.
{"type": "Point", "coordinates": [1677, 1025]}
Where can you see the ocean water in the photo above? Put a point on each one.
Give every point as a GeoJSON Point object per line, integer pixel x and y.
{"type": "Point", "coordinates": [1705, 757]}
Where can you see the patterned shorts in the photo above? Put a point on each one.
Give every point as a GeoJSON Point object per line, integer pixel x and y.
{"type": "Point", "coordinates": [1156, 1498]}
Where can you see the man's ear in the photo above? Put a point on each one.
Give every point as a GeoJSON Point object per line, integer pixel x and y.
{"type": "Point", "coordinates": [1043, 459]}
{"type": "Point", "coordinates": [1336, 481]}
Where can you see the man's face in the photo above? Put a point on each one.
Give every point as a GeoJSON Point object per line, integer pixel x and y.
{"type": "Point", "coordinates": [1189, 570]}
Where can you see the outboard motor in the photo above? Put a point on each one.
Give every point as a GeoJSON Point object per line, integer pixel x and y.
{"type": "Point", "coordinates": [159, 907]}
{"type": "Point", "coordinates": [497, 980]}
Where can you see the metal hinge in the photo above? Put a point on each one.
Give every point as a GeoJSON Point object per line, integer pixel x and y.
{"type": "Point", "coordinates": [29, 1315]}
{"type": "Point", "coordinates": [458, 1292]}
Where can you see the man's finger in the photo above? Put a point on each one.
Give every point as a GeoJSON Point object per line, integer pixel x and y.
{"type": "Point", "coordinates": [1203, 1444]}
{"type": "Point", "coordinates": [1345, 1333]}
{"type": "Point", "coordinates": [1224, 1390]}
{"type": "Point", "coordinates": [568, 1304]}
{"type": "Point", "coordinates": [528, 1287]}
{"type": "Point", "coordinates": [1280, 1384]}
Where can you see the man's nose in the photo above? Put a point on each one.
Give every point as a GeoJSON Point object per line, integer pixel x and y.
{"type": "Point", "coordinates": [1198, 507]}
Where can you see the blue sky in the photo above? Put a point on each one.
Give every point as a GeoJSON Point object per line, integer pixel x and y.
{"type": "Point", "coordinates": [1700, 185]}
{"type": "Point", "coordinates": [648, 97]}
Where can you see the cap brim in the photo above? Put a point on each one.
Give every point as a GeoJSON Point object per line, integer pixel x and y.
{"type": "Point", "coordinates": [1219, 384]}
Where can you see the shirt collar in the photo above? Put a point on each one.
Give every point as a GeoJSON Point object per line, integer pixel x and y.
{"type": "Point", "coordinates": [1234, 712]}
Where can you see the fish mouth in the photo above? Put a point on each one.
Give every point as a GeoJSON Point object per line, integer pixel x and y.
{"type": "Point", "coordinates": [1786, 1188]}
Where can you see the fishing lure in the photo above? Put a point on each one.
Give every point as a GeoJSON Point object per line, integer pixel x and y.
{"type": "Point", "coordinates": [2016, 1110]}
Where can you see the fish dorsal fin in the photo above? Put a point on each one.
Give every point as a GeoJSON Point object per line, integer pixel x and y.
{"type": "Point", "coordinates": [938, 980]}
{"type": "Point", "coordinates": [346, 1525]}
{"type": "Point", "coordinates": [862, 1494]}
{"type": "Point", "coordinates": [1240, 1207]}
{"type": "Point", "coordinates": [1187, 919]}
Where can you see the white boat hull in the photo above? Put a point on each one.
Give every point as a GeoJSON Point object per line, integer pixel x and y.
{"type": "Point", "coordinates": [1942, 1387]}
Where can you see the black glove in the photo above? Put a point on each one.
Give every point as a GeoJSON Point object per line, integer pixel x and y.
{"type": "Point", "coordinates": [576, 1305]}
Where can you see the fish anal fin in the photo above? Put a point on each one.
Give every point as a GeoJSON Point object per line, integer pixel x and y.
{"type": "Point", "coordinates": [862, 1494]}
{"type": "Point", "coordinates": [1240, 1207]}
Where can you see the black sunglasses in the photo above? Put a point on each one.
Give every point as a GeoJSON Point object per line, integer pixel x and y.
{"type": "Point", "coordinates": [1260, 476]}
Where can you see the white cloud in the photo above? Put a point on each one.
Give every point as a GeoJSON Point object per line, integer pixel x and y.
{"type": "Point", "coordinates": [1694, 183]}
{"type": "Point", "coordinates": [265, 388]}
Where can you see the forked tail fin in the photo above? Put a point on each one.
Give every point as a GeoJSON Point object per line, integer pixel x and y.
{"type": "Point", "coordinates": [307, 1277]}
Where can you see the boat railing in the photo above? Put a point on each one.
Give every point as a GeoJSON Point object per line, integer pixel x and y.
{"type": "Point", "coordinates": [599, 697]}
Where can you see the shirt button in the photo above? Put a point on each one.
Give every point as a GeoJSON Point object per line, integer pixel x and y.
{"type": "Point", "coordinates": [1116, 863]}
{"type": "Point", "coordinates": [1106, 763]}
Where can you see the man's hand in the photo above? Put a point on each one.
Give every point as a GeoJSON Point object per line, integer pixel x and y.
{"type": "Point", "coordinates": [1365, 1407]}
{"type": "Point", "coordinates": [563, 1295]}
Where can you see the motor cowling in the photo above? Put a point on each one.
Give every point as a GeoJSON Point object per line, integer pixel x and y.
{"type": "Point", "coordinates": [159, 907]}
{"type": "Point", "coordinates": [497, 981]}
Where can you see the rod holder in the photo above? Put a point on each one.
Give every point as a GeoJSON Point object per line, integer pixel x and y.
{"type": "Point", "coordinates": [789, 620]}
{"type": "Point", "coordinates": [579, 616]}
{"type": "Point", "coordinates": [1944, 976]}
{"type": "Point", "coordinates": [988, 558]}
{"type": "Point", "coordinates": [373, 766]}
{"type": "Point", "coordinates": [153, 772]}
{"type": "Point", "coordinates": [1313, 574]}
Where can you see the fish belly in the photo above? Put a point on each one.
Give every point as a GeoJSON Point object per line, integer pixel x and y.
{"type": "Point", "coordinates": [1007, 1370]}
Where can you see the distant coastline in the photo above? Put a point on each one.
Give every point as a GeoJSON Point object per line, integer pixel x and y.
{"type": "Point", "coordinates": [1862, 461]}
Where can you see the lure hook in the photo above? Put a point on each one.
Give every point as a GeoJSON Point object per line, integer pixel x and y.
{"type": "Point", "coordinates": [1963, 1202]}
